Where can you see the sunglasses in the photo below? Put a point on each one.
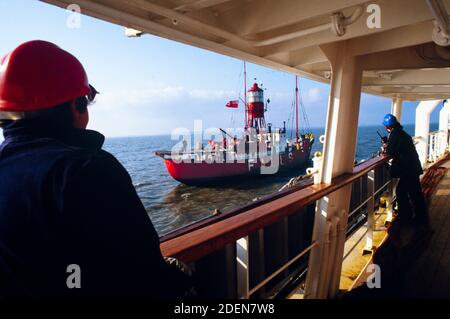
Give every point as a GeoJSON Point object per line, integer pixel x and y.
{"type": "Point", "coordinates": [92, 93]}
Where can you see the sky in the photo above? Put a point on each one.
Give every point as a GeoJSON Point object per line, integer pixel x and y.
{"type": "Point", "coordinates": [151, 85]}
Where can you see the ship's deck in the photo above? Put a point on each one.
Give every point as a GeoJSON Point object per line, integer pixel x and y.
{"type": "Point", "coordinates": [429, 274]}
{"type": "Point", "coordinates": [415, 264]}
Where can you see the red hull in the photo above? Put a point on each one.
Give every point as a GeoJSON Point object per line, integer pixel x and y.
{"type": "Point", "coordinates": [194, 173]}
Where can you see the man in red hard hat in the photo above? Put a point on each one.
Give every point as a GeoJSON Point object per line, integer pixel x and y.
{"type": "Point", "coordinates": [71, 223]}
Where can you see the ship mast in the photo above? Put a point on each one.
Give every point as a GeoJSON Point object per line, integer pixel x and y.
{"type": "Point", "coordinates": [245, 94]}
{"type": "Point", "coordinates": [296, 110]}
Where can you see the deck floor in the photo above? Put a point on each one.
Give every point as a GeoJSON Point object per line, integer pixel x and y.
{"type": "Point", "coordinates": [429, 275]}
{"type": "Point", "coordinates": [414, 263]}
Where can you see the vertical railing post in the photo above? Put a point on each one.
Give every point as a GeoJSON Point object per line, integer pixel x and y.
{"type": "Point", "coordinates": [436, 145]}
{"type": "Point", "coordinates": [242, 265]}
{"type": "Point", "coordinates": [257, 256]}
{"type": "Point", "coordinates": [442, 145]}
{"type": "Point", "coordinates": [390, 205]}
{"type": "Point", "coordinates": [430, 148]}
{"type": "Point", "coordinates": [368, 248]}
{"type": "Point", "coordinates": [431, 152]}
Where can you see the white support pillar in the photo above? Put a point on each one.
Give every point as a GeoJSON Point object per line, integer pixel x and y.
{"type": "Point", "coordinates": [423, 113]}
{"type": "Point", "coordinates": [325, 261]}
{"type": "Point", "coordinates": [444, 118]}
{"type": "Point", "coordinates": [396, 108]}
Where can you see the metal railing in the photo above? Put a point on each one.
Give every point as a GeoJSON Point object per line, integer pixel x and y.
{"type": "Point", "coordinates": [258, 252]}
{"type": "Point", "coordinates": [437, 144]}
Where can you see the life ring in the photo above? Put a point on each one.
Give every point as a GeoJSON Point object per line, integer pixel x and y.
{"type": "Point", "coordinates": [290, 156]}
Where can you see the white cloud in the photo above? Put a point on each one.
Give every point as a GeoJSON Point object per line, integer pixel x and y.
{"type": "Point", "coordinates": [157, 109]}
{"type": "Point", "coordinates": [211, 94]}
{"type": "Point", "coordinates": [150, 95]}
{"type": "Point", "coordinates": [140, 96]}
{"type": "Point", "coordinates": [313, 95]}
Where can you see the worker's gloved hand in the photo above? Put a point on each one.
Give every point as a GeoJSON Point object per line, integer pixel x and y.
{"type": "Point", "coordinates": [186, 273]}
{"type": "Point", "coordinates": [173, 262]}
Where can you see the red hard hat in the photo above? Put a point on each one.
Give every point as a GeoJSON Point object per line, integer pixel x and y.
{"type": "Point", "coordinates": [38, 75]}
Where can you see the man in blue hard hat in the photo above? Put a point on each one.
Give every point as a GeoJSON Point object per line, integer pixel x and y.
{"type": "Point", "coordinates": [407, 167]}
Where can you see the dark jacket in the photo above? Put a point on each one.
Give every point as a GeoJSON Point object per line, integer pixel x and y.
{"type": "Point", "coordinates": [65, 201]}
{"type": "Point", "coordinates": [405, 161]}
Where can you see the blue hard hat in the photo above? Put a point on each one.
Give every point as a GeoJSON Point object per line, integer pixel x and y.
{"type": "Point", "coordinates": [389, 120]}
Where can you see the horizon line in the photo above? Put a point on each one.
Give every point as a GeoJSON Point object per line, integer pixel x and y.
{"type": "Point", "coordinates": [312, 127]}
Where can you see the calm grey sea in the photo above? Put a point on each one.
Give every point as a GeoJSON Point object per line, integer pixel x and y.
{"type": "Point", "coordinates": [172, 205]}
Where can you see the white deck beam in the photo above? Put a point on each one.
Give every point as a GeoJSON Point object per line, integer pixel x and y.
{"type": "Point", "coordinates": [423, 78]}
{"type": "Point", "coordinates": [392, 39]}
{"type": "Point", "coordinates": [395, 14]}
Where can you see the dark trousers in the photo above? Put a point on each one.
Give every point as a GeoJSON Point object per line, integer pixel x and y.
{"type": "Point", "coordinates": [410, 199]}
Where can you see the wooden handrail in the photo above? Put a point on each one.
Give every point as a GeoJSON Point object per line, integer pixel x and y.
{"type": "Point", "coordinates": [192, 246]}
{"type": "Point", "coordinates": [235, 211]}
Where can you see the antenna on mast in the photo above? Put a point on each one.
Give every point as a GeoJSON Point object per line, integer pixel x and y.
{"type": "Point", "coordinates": [245, 94]}
{"type": "Point", "coordinates": [296, 110]}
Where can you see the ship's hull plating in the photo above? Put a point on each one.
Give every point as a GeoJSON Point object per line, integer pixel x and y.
{"type": "Point", "coordinates": [202, 173]}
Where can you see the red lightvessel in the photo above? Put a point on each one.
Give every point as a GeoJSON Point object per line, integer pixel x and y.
{"type": "Point", "coordinates": [257, 152]}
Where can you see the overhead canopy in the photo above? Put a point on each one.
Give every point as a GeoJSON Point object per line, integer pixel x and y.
{"type": "Point", "coordinates": [400, 59]}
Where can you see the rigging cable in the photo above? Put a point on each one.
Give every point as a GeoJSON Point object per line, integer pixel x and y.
{"type": "Point", "coordinates": [290, 121]}
{"type": "Point", "coordinates": [305, 115]}
{"type": "Point", "coordinates": [238, 91]}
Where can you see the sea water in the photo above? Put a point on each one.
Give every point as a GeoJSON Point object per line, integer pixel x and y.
{"type": "Point", "coordinates": [172, 205]}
